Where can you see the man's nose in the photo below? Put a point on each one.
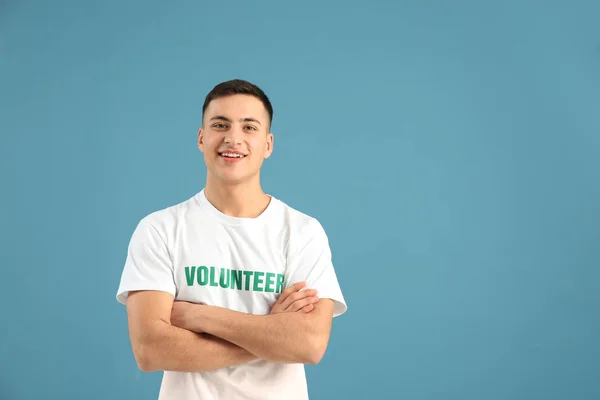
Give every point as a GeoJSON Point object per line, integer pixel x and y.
{"type": "Point", "coordinates": [234, 135]}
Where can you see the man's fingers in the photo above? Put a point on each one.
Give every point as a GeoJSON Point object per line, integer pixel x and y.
{"type": "Point", "coordinates": [300, 304]}
{"type": "Point", "coordinates": [294, 298]}
{"type": "Point", "coordinates": [308, 308]}
{"type": "Point", "coordinates": [298, 296]}
{"type": "Point", "coordinates": [288, 291]}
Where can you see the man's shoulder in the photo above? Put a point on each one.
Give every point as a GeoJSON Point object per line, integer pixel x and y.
{"type": "Point", "coordinates": [170, 215]}
{"type": "Point", "coordinates": [301, 222]}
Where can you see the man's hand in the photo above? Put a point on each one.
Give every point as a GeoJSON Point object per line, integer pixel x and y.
{"type": "Point", "coordinates": [161, 346]}
{"type": "Point", "coordinates": [296, 330]}
{"type": "Point", "coordinates": [291, 299]}
{"type": "Point", "coordinates": [181, 315]}
{"type": "Point", "coordinates": [295, 299]}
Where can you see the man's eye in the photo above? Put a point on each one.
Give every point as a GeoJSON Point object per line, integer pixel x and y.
{"type": "Point", "coordinates": [251, 127]}
{"type": "Point", "coordinates": [219, 126]}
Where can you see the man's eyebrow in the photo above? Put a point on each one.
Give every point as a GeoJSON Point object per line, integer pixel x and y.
{"type": "Point", "coordinates": [223, 118]}
{"type": "Point", "coordinates": [220, 117]}
{"type": "Point", "coordinates": [251, 120]}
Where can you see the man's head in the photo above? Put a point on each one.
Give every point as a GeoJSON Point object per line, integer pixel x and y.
{"type": "Point", "coordinates": [235, 135]}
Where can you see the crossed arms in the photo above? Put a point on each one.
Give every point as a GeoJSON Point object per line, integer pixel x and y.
{"type": "Point", "coordinates": [178, 336]}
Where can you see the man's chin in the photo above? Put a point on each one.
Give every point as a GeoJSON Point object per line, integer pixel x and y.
{"type": "Point", "coordinates": [233, 179]}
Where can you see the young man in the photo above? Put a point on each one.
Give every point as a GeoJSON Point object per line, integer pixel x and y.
{"type": "Point", "coordinates": [232, 291]}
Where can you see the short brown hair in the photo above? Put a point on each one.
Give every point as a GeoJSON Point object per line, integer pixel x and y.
{"type": "Point", "coordinates": [238, 86]}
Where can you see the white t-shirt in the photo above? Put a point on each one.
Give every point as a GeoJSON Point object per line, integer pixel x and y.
{"type": "Point", "coordinates": [199, 254]}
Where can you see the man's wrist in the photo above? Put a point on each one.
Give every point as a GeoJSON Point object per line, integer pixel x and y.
{"type": "Point", "coordinates": [196, 318]}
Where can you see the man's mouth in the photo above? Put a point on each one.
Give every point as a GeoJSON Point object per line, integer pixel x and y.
{"type": "Point", "coordinates": [232, 155]}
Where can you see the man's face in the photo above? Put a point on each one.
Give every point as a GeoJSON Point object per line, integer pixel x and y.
{"type": "Point", "coordinates": [235, 138]}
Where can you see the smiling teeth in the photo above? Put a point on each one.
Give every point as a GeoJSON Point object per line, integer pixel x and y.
{"type": "Point", "coordinates": [235, 155]}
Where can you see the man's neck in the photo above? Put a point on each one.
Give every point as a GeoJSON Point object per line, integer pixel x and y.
{"type": "Point", "coordinates": [245, 200]}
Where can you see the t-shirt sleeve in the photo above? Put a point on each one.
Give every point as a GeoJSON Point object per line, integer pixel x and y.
{"type": "Point", "coordinates": [311, 261]}
{"type": "Point", "coordinates": [148, 265]}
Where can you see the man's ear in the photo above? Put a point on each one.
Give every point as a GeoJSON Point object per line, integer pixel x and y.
{"type": "Point", "coordinates": [201, 139]}
{"type": "Point", "coordinates": [269, 145]}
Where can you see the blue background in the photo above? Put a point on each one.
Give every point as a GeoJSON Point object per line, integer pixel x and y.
{"type": "Point", "coordinates": [450, 149]}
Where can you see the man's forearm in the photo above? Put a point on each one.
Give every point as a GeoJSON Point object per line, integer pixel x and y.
{"type": "Point", "coordinates": [285, 337]}
{"type": "Point", "coordinates": [169, 348]}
